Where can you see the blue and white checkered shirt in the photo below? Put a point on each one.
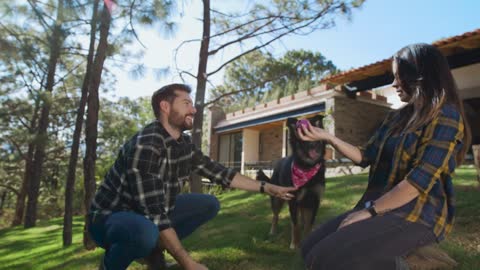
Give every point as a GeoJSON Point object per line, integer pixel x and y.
{"type": "Point", "coordinates": [149, 172]}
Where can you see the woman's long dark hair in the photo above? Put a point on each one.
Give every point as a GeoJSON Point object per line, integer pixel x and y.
{"type": "Point", "coordinates": [423, 73]}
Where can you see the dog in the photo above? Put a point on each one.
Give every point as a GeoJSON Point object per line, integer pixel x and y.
{"type": "Point", "coordinates": [305, 169]}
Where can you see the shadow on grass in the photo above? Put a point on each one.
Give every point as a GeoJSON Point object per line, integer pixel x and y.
{"type": "Point", "coordinates": [238, 238]}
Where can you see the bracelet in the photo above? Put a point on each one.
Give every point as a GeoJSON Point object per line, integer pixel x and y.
{"type": "Point", "coordinates": [262, 186]}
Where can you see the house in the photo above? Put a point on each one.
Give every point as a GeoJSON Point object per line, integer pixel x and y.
{"type": "Point", "coordinates": [354, 101]}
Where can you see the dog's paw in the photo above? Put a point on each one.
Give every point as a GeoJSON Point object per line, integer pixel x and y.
{"type": "Point", "coordinates": [293, 246]}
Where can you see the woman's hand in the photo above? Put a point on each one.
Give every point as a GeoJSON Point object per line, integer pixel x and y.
{"type": "Point", "coordinates": [280, 192]}
{"type": "Point", "coordinates": [307, 132]}
{"type": "Point", "coordinates": [355, 217]}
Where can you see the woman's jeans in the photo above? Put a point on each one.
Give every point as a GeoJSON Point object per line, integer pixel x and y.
{"type": "Point", "coordinates": [127, 236]}
{"type": "Point", "coordinates": [374, 243]}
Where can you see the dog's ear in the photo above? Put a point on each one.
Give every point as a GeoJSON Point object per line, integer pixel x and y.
{"type": "Point", "coordinates": [261, 176]}
{"type": "Point", "coordinates": [292, 123]}
{"type": "Point", "coordinates": [317, 120]}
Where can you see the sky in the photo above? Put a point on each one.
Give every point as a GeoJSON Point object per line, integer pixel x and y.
{"type": "Point", "coordinates": [376, 31]}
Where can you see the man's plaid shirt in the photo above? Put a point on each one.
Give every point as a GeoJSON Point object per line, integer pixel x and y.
{"type": "Point", "coordinates": [425, 158]}
{"type": "Point", "coordinates": [149, 172]}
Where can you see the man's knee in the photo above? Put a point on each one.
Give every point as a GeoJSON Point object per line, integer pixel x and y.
{"type": "Point", "coordinates": [213, 206]}
{"type": "Point", "coordinates": [134, 231]}
{"type": "Point", "coordinates": [146, 242]}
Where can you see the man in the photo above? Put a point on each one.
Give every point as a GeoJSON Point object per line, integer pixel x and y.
{"type": "Point", "coordinates": [138, 208]}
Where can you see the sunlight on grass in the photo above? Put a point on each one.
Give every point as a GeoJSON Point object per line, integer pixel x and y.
{"type": "Point", "coordinates": [238, 238]}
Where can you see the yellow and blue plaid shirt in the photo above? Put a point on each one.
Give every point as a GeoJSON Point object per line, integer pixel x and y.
{"type": "Point", "coordinates": [425, 158]}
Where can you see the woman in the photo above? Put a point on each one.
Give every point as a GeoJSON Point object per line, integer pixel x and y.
{"type": "Point", "coordinates": [409, 199]}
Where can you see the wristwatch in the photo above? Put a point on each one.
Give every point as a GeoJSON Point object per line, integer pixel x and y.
{"type": "Point", "coordinates": [370, 206]}
{"type": "Point", "coordinates": [262, 186]}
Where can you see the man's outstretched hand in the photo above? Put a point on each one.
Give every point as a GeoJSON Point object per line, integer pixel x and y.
{"type": "Point", "coordinates": [280, 192]}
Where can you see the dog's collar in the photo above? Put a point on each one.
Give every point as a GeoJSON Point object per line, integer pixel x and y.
{"type": "Point", "coordinates": [301, 176]}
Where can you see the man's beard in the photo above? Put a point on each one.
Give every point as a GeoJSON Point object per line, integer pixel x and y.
{"type": "Point", "coordinates": [179, 121]}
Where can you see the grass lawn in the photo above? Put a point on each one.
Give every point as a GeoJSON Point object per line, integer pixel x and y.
{"type": "Point", "coordinates": [238, 237]}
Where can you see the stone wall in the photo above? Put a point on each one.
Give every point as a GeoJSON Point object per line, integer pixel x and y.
{"type": "Point", "coordinates": [271, 144]}
{"type": "Point", "coordinates": [356, 120]}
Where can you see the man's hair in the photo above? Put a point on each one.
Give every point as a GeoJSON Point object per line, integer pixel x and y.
{"type": "Point", "coordinates": [167, 93]}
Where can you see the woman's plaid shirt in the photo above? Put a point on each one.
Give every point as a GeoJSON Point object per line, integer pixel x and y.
{"type": "Point", "coordinates": [149, 172]}
{"type": "Point", "coordinates": [425, 158]}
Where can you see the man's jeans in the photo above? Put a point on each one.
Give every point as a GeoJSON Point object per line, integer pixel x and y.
{"type": "Point", "coordinates": [127, 236]}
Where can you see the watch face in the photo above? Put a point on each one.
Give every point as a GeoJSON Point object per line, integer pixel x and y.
{"type": "Point", "coordinates": [368, 204]}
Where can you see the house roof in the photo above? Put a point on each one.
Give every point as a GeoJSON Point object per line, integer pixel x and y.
{"type": "Point", "coordinates": [299, 104]}
{"type": "Point", "coordinates": [460, 51]}
{"type": "Point", "coordinates": [315, 108]}
{"type": "Point", "coordinates": [305, 102]}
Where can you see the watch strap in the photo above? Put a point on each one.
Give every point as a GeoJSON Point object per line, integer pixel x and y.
{"type": "Point", "coordinates": [262, 186]}
{"type": "Point", "coordinates": [370, 206]}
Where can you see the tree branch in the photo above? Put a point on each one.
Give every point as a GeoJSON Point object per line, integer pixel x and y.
{"type": "Point", "coordinates": [242, 25]}
{"type": "Point", "coordinates": [188, 73]}
{"type": "Point", "coordinates": [311, 21]}
{"type": "Point", "coordinates": [10, 188]}
{"type": "Point", "coordinates": [178, 49]}
{"type": "Point", "coordinates": [69, 72]}
{"type": "Point", "coordinates": [131, 24]}
{"type": "Point", "coordinates": [40, 17]}
{"type": "Point", "coordinates": [244, 37]}
{"type": "Point", "coordinates": [262, 83]}
{"type": "Point", "coordinates": [228, 15]}
{"type": "Point", "coordinates": [16, 36]}
{"type": "Point", "coordinates": [19, 149]}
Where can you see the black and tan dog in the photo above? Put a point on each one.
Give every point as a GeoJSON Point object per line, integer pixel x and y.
{"type": "Point", "coordinates": [305, 169]}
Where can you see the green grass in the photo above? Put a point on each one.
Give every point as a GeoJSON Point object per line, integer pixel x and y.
{"type": "Point", "coordinates": [238, 237]}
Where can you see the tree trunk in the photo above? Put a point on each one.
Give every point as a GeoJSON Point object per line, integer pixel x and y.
{"type": "Point", "coordinates": [20, 205]}
{"type": "Point", "coordinates": [196, 183]}
{"type": "Point", "coordinates": [2, 200]}
{"type": "Point", "coordinates": [56, 41]}
{"type": "Point", "coordinates": [72, 165]}
{"type": "Point", "coordinates": [22, 195]}
{"type": "Point", "coordinates": [92, 119]}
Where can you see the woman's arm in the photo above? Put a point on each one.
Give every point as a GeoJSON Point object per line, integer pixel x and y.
{"type": "Point", "coordinates": [311, 133]}
{"type": "Point", "coordinates": [400, 195]}
{"type": "Point", "coordinates": [445, 134]}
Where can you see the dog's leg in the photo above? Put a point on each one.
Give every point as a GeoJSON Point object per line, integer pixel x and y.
{"type": "Point", "coordinates": [295, 238]}
{"type": "Point", "coordinates": [276, 207]}
{"type": "Point", "coordinates": [309, 213]}
{"type": "Point", "coordinates": [308, 219]}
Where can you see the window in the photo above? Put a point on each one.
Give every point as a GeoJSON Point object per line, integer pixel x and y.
{"type": "Point", "coordinates": [230, 152]}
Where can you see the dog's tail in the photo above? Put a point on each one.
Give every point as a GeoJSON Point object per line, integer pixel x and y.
{"type": "Point", "coordinates": [261, 176]}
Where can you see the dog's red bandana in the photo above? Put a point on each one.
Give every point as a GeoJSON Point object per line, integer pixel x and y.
{"type": "Point", "coordinates": [301, 176]}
